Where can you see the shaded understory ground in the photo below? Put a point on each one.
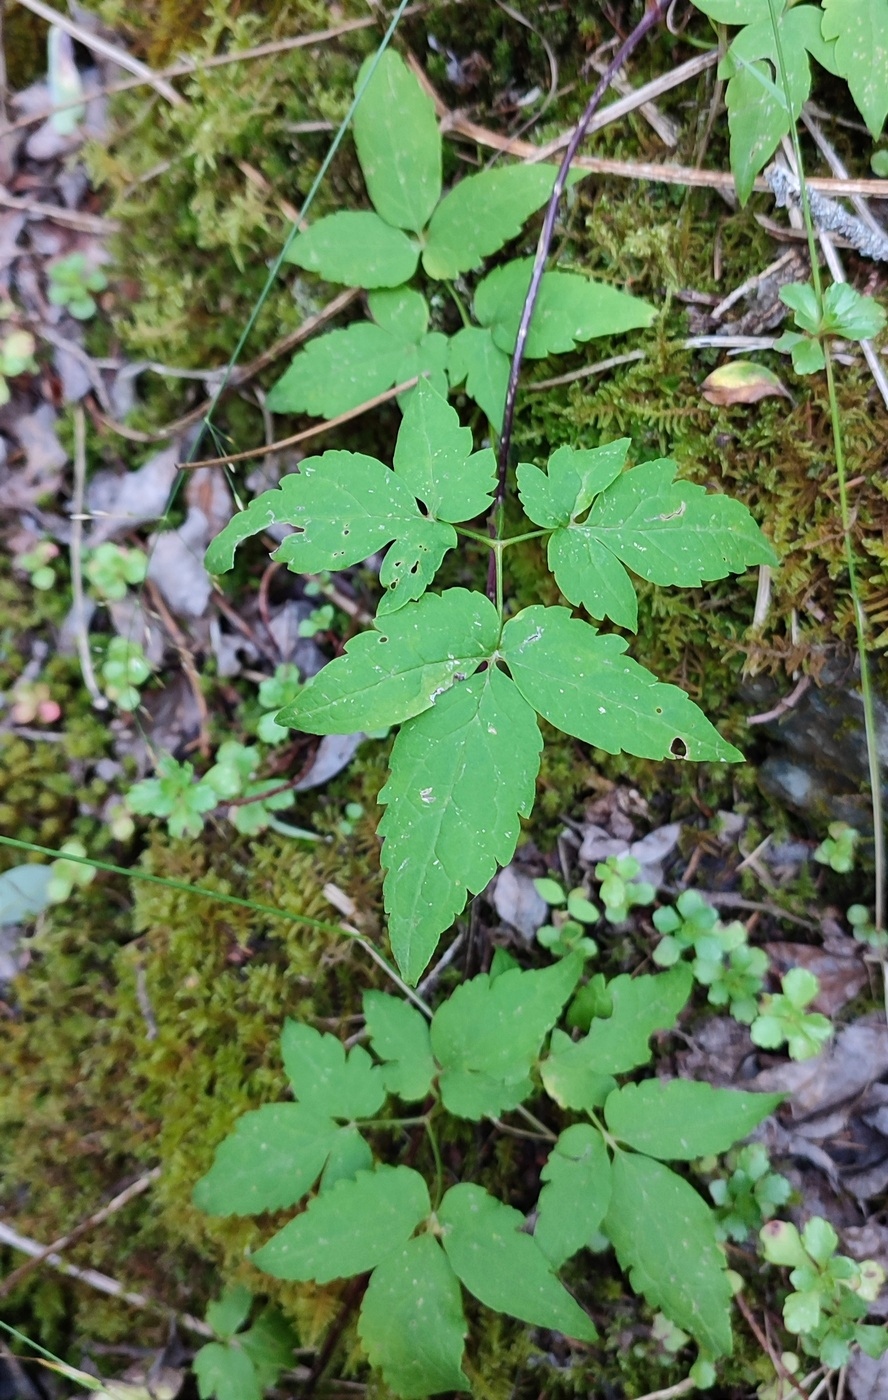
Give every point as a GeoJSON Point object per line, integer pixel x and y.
{"type": "Point", "coordinates": [138, 1022]}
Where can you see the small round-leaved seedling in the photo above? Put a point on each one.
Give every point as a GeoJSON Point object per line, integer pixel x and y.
{"type": "Point", "coordinates": [783, 1018]}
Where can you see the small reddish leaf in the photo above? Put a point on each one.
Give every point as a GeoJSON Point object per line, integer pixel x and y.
{"type": "Point", "coordinates": [741, 381]}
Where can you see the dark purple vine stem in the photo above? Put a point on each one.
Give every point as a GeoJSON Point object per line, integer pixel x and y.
{"type": "Point", "coordinates": [652, 17]}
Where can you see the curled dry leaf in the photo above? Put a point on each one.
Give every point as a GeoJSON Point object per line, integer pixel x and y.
{"type": "Point", "coordinates": [741, 381]}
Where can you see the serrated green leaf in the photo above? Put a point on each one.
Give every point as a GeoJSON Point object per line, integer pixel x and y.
{"type": "Point", "coordinates": [482, 213]}
{"type": "Point", "coordinates": [269, 1343]}
{"type": "Point", "coordinates": [503, 1267]}
{"type": "Point", "coordinates": [434, 456]}
{"type": "Point", "coordinates": [570, 309]}
{"type": "Point", "coordinates": [274, 1156]}
{"type": "Point", "coordinates": [399, 1035]}
{"type": "Point", "coordinates": [357, 248]}
{"type": "Point", "coordinates": [583, 683]}
{"type": "Point", "coordinates": [349, 1154]}
{"type": "Point", "coordinates": [413, 561]}
{"type": "Point", "coordinates": [398, 669]}
{"type": "Point", "coordinates": [860, 31]}
{"type": "Point", "coordinates": [324, 1080]}
{"type": "Point", "coordinates": [412, 1324]}
{"type": "Point", "coordinates": [225, 1372]}
{"type": "Point", "coordinates": [664, 1235]}
{"type": "Point", "coordinates": [576, 1195]}
{"type": "Point", "coordinates": [403, 312]}
{"type": "Point", "coordinates": [590, 577]}
{"type": "Point", "coordinates": [487, 1036]}
{"type": "Point", "coordinates": [668, 532]}
{"type": "Point", "coordinates": [485, 368]}
{"type": "Point", "coordinates": [847, 313]}
{"type": "Point", "coordinates": [337, 371]}
{"type": "Point", "coordinates": [462, 773]}
{"type": "Point", "coordinates": [572, 480]}
{"type": "Point", "coordinates": [229, 1313]}
{"type": "Point", "coordinates": [349, 1229]}
{"type": "Point", "coordinates": [399, 145]}
{"type": "Point", "coordinates": [619, 1042]}
{"type": "Point", "coordinates": [681, 1119]}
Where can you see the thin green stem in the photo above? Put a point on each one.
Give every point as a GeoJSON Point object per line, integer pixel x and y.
{"type": "Point", "coordinates": [475, 535]}
{"type": "Point", "coordinates": [528, 535]}
{"type": "Point", "coordinates": [134, 873]}
{"type": "Point", "coordinates": [439, 1165]}
{"type": "Point", "coordinates": [459, 303]}
{"type": "Point", "coordinates": [393, 1122]}
{"type": "Point", "coordinates": [498, 567]}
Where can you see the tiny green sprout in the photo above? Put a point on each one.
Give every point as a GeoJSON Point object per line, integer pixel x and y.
{"type": "Point", "coordinates": [275, 692]}
{"type": "Point", "coordinates": [832, 1293]}
{"type": "Point", "coordinates": [864, 930]}
{"type": "Point", "coordinates": [846, 313]}
{"type": "Point", "coordinates": [750, 1196]}
{"type": "Point", "coordinates": [16, 357]}
{"type": "Point", "coordinates": [243, 1363]}
{"type": "Point", "coordinates": [234, 767]}
{"type": "Point", "coordinates": [36, 563]}
{"type": "Point", "coordinates": [253, 813]}
{"type": "Point", "coordinates": [667, 1335]}
{"type": "Point", "coordinates": [782, 1387]}
{"type": "Point", "coordinates": [839, 848]}
{"type": "Point", "coordinates": [620, 888]}
{"type": "Point", "coordinates": [174, 794]}
{"type": "Point", "coordinates": [784, 1020]}
{"type": "Point", "coordinates": [68, 875]}
{"type": "Point", "coordinates": [320, 620]}
{"type": "Point", "coordinates": [125, 667]}
{"type": "Point", "coordinates": [352, 814]}
{"type": "Point", "coordinates": [111, 569]}
{"type": "Point", "coordinates": [566, 933]}
{"type": "Point", "coordinates": [232, 779]}
{"type": "Point", "coordinates": [71, 282]}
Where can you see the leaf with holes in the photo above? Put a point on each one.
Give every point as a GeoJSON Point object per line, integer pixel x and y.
{"type": "Point", "coordinates": [570, 309]}
{"type": "Point", "coordinates": [668, 532]}
{"type": "Point", "coordinates": [462, 773]}
{"type": "Point", "coordinates": [583, 683]}
{"type": "Point", "coordinates": [664, 1235]}
{"type": "Point", "coordinates": [502, 1266]}
{"type": "Point", "coordinates": [399, 667]}
{"type": "Point", "coordinates": [487, 1036]}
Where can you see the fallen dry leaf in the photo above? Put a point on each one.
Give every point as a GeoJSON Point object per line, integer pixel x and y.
{"type": "Point", "coordinates": [741, 381]}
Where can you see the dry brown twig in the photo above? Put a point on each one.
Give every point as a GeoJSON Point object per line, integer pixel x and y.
{"type": "Point", "coordinates": [98, 45]}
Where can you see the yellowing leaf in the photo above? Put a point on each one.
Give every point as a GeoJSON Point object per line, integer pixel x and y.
{"type": "Point", "coordinates": [741, 381]}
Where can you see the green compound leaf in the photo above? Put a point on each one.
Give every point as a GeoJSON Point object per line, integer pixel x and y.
{"type": "Point", "coordinates": [348, 1229]}
{"type": "Point", "coordinates": [398, 669]}
{"type": "Point", "coordinates": [412, 562]}
{"type": "Point", "coordinates": [667, 531]}
{"type": "Point", "coordinates": [734, 11]}
{"type": "Point", "coordinates": [482, 213]}
{"type": "Point", "coordinates": [682, 1119]}
{"type": "Point", "coordinates": [664, 1235]}
{"type": "Point", "coordinates": [462, 773]}
{"type": "Point", "coordinates": [275, 1154]}
{"type": "Point", "coordinates": [402, 312]}
{"type": "Point", "coordinates": [342, 369]}
{"type": "Point", "coordinates": [356, 248]}
{"type": "Point", "coordinates": [758, 115]}
{"type": "Point", "coordinates": [577, 1193]}
{"type": "Point", "coordinates": [570, 309]}
{"type": "Point", "coordinates": [503, 1267]}
{"type": "Point", "coordinates": [324, 1079]}
{"type": "Point", "coordinates": [487, 1036]}
{"type": "Point", "coordinates": [571, 481]}
{"type": "Point", "coordinates": [412, 1324]}
{"type": "Point", "coordinates": [574, 1071]}
{"type": "Point", "coordinates": [399, 145]}
{"type": "Point", "coordinates": [269, 1344]}
{"type": "Point", "coordinates": [583, 683]}
{"type": "Point", "coordinates": [485, 368]}
{"type": "Point", "coordinates": [436, 459]}
{"type": "Point", "coordinates": [399, 1035]}
{"type": "Point", "coordinates": [225, 1372]}
{"type": "Point", "coordinates": [860, 29]}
